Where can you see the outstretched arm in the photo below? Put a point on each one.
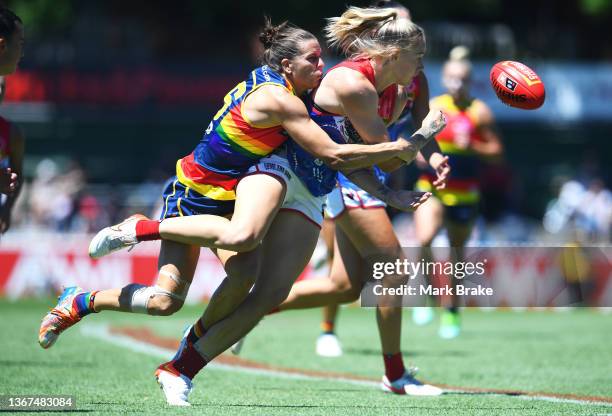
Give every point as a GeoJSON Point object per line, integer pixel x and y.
{"type": "Point", "coordinates": [295, 119]}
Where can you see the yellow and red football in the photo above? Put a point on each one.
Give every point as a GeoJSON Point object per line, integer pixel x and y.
{"type": "Point", "coordinates": [517, 85]}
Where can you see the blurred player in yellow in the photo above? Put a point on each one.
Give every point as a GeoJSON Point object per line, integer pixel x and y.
{"type": "Point", "coordinates": [468, 137]}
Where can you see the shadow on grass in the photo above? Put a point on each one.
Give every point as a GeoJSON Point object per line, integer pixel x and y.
{"type": "Point", "coordinates": [312, 406]}
{"type": "Point", "coordinates": [46, 411]}
{"type": "Point", "coordinates": [412, 353]}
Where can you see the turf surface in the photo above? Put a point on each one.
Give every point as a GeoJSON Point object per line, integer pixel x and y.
{"type": "Point", "coordinates": [547, 352]}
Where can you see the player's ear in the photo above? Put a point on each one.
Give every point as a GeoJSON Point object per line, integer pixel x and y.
{"type": "Point", "coordinates": [3, 44]}
{"type": "Point", "coordinates": [286, 66]}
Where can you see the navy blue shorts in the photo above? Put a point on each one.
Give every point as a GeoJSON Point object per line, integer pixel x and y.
{"type": "Point", "coordinates": [180, 200]}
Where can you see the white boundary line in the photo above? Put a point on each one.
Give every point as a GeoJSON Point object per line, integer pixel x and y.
{"type": "Point", "coordinates": [102, 332]}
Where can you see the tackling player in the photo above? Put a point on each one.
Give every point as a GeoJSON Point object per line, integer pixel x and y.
{"type": "Point", "coordinates": [250, 125]}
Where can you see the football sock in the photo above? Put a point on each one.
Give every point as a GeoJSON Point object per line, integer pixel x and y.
{"type": "Point", "coordinates": [394, 366]}
{"type": "Point", "coordinates": [84, 303]}
{"type": "Point", "coordinates": [327, 327]}
{"type": "Point", "coordinates": [147, 230]}
{"type": "Point", "coordinates": [190, 362]}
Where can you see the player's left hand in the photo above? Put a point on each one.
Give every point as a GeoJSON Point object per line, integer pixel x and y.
{"type": "Point", "coordinates": [8, 181]}
{"type": "Point", "coordinates": [439, 163]}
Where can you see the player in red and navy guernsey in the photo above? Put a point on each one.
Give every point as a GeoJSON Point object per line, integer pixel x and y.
{"type": "Point", "coordinates": [11, 45]}
{"type": "Point", "coordinates": [11, 160]}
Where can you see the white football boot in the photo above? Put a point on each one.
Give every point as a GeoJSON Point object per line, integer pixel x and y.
{"type": "Point", "coordinates": [328, 345]}
{"type": "Point", "coordinates": [409, 385]}
{"type": "Point", "coordinates": [176, 386]}
{"type": "Point", "coordinates": [115, 237]}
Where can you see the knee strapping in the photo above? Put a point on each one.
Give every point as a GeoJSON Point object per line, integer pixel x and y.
{"type": "Point", "coordinates": [181, 293]}
{"type": "Point", "coordinates": [141, 295]}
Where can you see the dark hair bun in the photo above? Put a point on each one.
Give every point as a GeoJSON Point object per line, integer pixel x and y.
{"type": "Point", "coordinates": [269, 34]}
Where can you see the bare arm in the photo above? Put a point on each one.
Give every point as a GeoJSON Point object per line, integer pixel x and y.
{"type": "Point", "coordinates": [294, 117]}
{"type": "Point", "coordinates": [431, 152]}
{"type": "Point", "coordinates": [402, 200]}
{"type": "Point", "coordinates": [360, 104]}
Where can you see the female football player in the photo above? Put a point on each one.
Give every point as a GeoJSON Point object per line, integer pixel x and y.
{"type": "Point", "coordinates": [469, 137]}
{"type": "Point", "coordinates": [364, 232]}
{"type": "Point", "coordinates": [417, 106]}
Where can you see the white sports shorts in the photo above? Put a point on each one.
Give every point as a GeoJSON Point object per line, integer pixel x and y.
{"type": "Point", "coordinates": [297, 198]}
{"type": "Point", "coordinates": [349, 196]}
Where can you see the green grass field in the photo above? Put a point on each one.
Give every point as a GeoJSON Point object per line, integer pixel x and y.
{"type": "Point", "coordinates": [553, 354]}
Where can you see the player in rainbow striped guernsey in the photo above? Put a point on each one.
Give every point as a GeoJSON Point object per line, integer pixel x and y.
{"type": "Point", "coordinates": [212, 182]}
{"type": "Point", "coordinates": [469, 137]}
{"type": "Point", "coordinates": [230, 146]}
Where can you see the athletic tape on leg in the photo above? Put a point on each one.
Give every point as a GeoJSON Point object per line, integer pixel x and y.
{"type": "Point", "coordinates": [182, 294]}
{"type": "Point", "coordinates": [142, 294]}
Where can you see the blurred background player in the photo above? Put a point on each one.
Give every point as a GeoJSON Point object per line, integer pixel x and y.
{"type": "Point", "coordinates": [416, 108]}
{"type": "Point", "coordinates": [11, 140]}
{"type": "Point", "coordinates": [11, 41]}
{"type": "Point", "coordinates": [468, 138]}
{"type": "Point", "coordinates": [11, 157]}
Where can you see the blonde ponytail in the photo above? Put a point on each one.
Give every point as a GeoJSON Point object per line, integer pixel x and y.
{"type": "Point", "coordinates": [372, 32]}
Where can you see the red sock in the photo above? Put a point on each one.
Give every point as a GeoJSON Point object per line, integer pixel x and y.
{"type": "Point", "coordinates": [394, 366]}
{"type": "Point", "coordinates": [327, 327]}
{"type": "Point", "coordinates": [147, 230]}
{"type": "Point", "coordinates": [190, 362]}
